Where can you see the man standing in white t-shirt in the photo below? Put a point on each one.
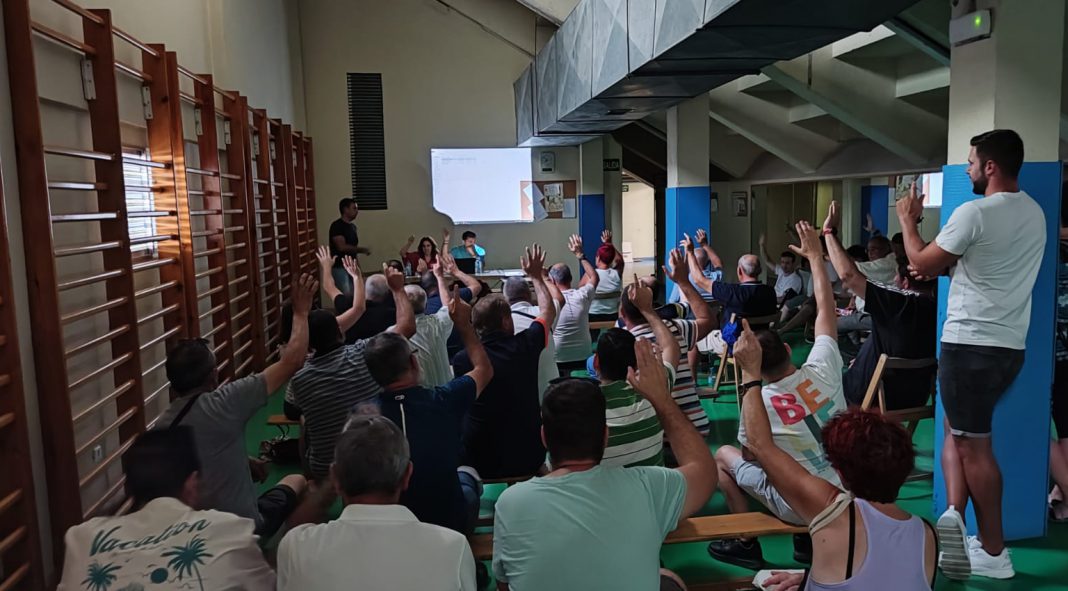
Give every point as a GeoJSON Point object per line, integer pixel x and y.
{"type": "Point", "coordinates": [799, 403]}
{"type": "Point", "coordinates": [996, 243]}
{"type": "Point", "coordinates": [572, 334]}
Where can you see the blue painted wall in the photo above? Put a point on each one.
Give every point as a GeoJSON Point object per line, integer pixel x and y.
{"type": "Point", "coordinates": [686, 209]}
{"type": "Point", "coordinates": [1022, 417]}
{"type": "Point", "coordinates": [874, 200]}
{"type": "Point", "coordinates": [591, 224]}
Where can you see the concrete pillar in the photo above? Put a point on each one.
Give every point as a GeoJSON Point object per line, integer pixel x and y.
{"type": "Point", "coordinates": [591, 199]}
{"type": "Point", "coordinates": [852, 220]}
{"type": "Point", "coordinates": [613, 189]}
{"type": "Point", "coordinates": [687, 201]}
{"type": "Point", "coordinates": [1013, 80]}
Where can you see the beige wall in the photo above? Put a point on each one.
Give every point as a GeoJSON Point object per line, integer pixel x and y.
{"type": "Point", "coordinates": [446, 83]}
{"type": "Point", "coordinates": [639, 211]}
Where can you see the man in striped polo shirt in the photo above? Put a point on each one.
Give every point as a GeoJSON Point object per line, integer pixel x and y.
{"type": "Point", "coordinates": [686, 333]}
{"type": "Point", "coordinates": [635, 436]}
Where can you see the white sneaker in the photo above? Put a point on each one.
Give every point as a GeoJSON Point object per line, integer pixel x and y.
{"type": "Point", "coordinates": [994, 567]}
{"type": "Point", "coordinates": [974, 542]}
{"type": "Point", "coordinates": [954, 560]}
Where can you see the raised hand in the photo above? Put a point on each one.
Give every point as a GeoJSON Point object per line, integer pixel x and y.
{"type": "Point", "coordinates": [686, 242]}
{"type": "Point", "coordinates": [606, 236]}
{"type": "Point", "coordinates": [459, 310]}
{"type": "Point", "coordinates": [910, 209]}
{"type": "Point", "coordinates": [421, 267]}
{"type": "Point", "coordinates": [677, 269]}
{"type": "Point", "coordinates": [411, 239]}
{"type": "Point", "coordinates": [574, 244]}
{"type": "Point", "coordinates": [834, 217]}
{"type": "Point", "coordinates": [352, 266]}
{"type": "Point", "coordinates": [323, 255]}
{"type": "Point", "coordinates": [701, 236]}
{"type": "Point", "coordinates": [640, 295]}
{"type": "Point", "coordinates": [810, 241]}
{"type": "Point", "coordinates": [438, 268]}
{"type": "Point", "coordinates": [650, 379]}
{"type": "Point", "coordinates": [533, 261]}
{"type": "Point", "coordinates": [748, 352]}
{"type": "Point", "coordinates": [763, 240]}
{"type": "Point", "coordinates": [304, 290]}
{"type": "Point", "coordinates": [447, 263]}
{"type": "Point", "coordinates": [394, 278]}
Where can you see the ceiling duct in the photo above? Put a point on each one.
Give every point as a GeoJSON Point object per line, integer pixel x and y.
{"type": "Point", "coordinates": [616, 61]}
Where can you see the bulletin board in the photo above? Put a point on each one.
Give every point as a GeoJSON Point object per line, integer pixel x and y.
{"type": "Point", "coordinates": [552, 199]}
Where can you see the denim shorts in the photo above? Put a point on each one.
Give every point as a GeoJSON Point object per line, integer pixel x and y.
{"type": "Point", "coordinates": [971, 380]}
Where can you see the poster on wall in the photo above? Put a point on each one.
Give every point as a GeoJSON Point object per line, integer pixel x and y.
{"type": "Point", "coordinates": [552, 199]}
{"type": "Point", "coordinates": [740, 199]}
{"type": "Point", "coordinates": [928, 185]}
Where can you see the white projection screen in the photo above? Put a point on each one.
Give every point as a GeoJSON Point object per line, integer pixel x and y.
{"type": "Point", "coordinates": [483, 185]}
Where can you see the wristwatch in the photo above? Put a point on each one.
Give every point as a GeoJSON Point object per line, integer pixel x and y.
{"type": "Point", "coordinates": [754, 384]}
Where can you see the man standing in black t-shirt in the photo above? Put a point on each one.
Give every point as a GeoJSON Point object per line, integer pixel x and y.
{"type": "Point", "coordinates": [903, 325]}
{"type": "Point", "coordinates": [345, 241]}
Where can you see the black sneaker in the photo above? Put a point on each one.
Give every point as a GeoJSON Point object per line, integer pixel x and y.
{"type": "Point", "coordinates": [803, 548]}
{"type": "Point", "coordinates": [737, 552]}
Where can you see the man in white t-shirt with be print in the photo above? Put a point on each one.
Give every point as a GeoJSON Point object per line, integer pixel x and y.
{"type": "Point", "coordinates": [996, 245]}
{"type": "Point", "coordinates": [799, 402]}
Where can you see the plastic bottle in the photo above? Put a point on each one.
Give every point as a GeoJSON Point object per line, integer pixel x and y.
{"type": "Point", "coordinates": [408, 268]}
{"type": "Point", "coordinates": [478, 266]}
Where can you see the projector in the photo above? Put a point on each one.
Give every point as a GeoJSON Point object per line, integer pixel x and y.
{"type": "Point", "coordinates": [970, 27]}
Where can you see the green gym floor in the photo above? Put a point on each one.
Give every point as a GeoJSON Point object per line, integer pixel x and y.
{"type": "Point", "coordinates": [1041, 564]}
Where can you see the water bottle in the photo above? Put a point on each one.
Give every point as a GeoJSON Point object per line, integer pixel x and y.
{"type": "Point", "coordinates": [408, 268]}
{"type": "Point", "coordinates": [478, 266]}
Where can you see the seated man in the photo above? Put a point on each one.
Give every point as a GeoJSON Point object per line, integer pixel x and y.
{"type": "Point", "coordinates": [432, 332]}
{"type": "Point", "coordinates": [635, 437]}
{"type": "Point", "coordinates": [524, 313]}
{"type": "Point", "coordinates": [788, 282]}
{"type": "Point", "coordinates": [708, 262]}
{"type": "Point", "coordinates": [572, 332]}
{"type": "Point", "coordinates": [589, 526]}
{"type": "Point", "coordinates": [218, 415]}
{"type": "Point", "coordinates": [142, 549]}
{"type": "Point", "coordinates": [502, 434]}
{"type": "Point", "coordinates": [686, 334]}
{"type": "Point", "coordinates": [903, 317]}
{"type": "Point", "coordinates": [335, 378]}
{"type": "Point", "coordinates": [800, 402]}
{"type": "Point", "coordinates": [468, 249]}
{"type": "Point", "coordinates": [749, 298]}
{"type": "Point", "coordinates": [369, 542]}
{"type": "Point", "coordinates": [881, 268]}
{"type": "Point", "coordinates": [429, 282]}
{"type": "Point", "coordinates": [442, 491]}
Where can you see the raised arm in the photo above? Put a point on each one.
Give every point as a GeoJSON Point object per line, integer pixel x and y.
{"type": "Point", "coordinates": [451, 268]}
{"type": "Point", "coordinates": [405, 324]}
{"type": "Point", "coordinates": [554, 291]}
{"type": "Point", "coordinates": [443, 285]}
{"type": "Point", "coordinates": [445, 236]}
{"type": "Point", "coordinates": [680, 274]}
{"type": "Point", "coordinates": [533, 263]}
{"type": "Point", "coordinates": [805, 493]}
{"type": "Point", "coordinates": [326, 267]}
{"type": "Point", "coordinates": [847, 270]}
{"type": "Point", "coordinates": [695, 461]}
{"type": "Point", "coordinates": [697, 274]}
{"type": "Point", "coordinates": [702, 241]}
{"type": "Point", "coordinates": [296, 349]}
{"type": "Point", "coordinates": [826, 318]}
{"type": "Point", "coordinates": [482, 369]}
{"type": "Point", "coordinates": [407, 247]}
{"type": "Point", "coordinates": [349, 317]}
{"type": "Point", "coordinates": [926, 259]}
{"type": "Point", "coordinates": [617, 262]}
{"type": "Point", "coordinates": [642, 298]}
{"type": "Point", "coordinates": [574, 244]}
{"type": "Point", "coordinates": [764, 256]}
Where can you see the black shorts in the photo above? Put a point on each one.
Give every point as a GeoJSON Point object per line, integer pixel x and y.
{"type": "Point", "coordinates": [275, 507]}
{"type": "Point", "coordinates": [1060, 398]}
{"type": "Point", "coordinates": [971, 379]}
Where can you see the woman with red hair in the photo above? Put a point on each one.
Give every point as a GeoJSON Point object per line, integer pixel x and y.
{"type": "Point", "coordinates": [861, 539]}
{"type": "Point", "coordinates": [609, 264]}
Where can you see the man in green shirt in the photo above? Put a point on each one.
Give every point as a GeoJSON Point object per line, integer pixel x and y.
{"type": "Point", "coordinates": [635, 437]}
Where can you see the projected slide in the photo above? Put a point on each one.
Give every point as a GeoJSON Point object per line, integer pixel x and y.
{"type": "Point", "coordinates": [481, 186]}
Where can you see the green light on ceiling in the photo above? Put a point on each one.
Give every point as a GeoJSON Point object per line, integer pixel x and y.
{"type": "Point", "coordinates": [978, 21]}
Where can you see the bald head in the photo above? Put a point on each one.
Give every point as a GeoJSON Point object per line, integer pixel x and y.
{"type": "Point", "coordinates": [749, 267]}
{"type": "Point", "coordinates": [417, 296]}
{"type": "Point", "coordinates": [702, 257]}
{"type": "Point", "coordinates": [377, 288]}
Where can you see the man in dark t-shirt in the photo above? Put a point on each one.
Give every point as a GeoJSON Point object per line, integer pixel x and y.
{"type": "Point", "coordinates": [749, 298]}
{"type": "Point", "coordinates": [903, 325]}
{"type": "Point", "coordinates": [344, 240]}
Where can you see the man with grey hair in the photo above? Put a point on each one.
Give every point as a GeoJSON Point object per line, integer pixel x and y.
{"type": "Point", "coordinates": [572, 332]}
{"type": "Point", "coordinates": [517, 292]}
{"type": "Point", "coordinates": [432, 332]}
{"type": "Point", "coordinates": [380, 312]}
{"type": "Point", "coordinates": [372, 467]}
{"type": "Point", "coordinates": [749, 298]}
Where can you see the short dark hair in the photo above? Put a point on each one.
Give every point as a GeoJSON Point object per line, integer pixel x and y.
{"type": "Point", "coordinates": [630, 311]}
{"type": "Point", "coordinates": [324, 335]}
{"type": "Point", "coordinates": [395, 264]}
{"type": "Point", "coordinates": [344, 204]}
{"type": "Point", "coordinates": [775, 358]}
{"type": "Point", "coordinates": [898, 238]}
{"type": "Point", "coordinates": [1004, 147]}
{"type": "Point", "coordinates": [560, 273]}
{"type": "Point", "coordinates": [572, 416]}
{"type": "Point", "coordinates": [370, 456]}
{"type": "Point", "coordinates": [158, 464]}
{"type": "Point", "coordinates": [857, 252]}
{"type": "Point", "coordinates": [873, 454]}
{"type": "Point", "coordinates": [787, 254]}
{"type": "Point", "coordinates": [467, 234]}
{"type": "Point", "coordinates": [615, 353]}
{"type": "Point", "coordinates": [429, 282]}
{"type": "Point", "coordinates": [190, 365]}
{"type": "Point", "coordinates": [387, 355]}
{"type": "Point", "coordinates": [903, 272]}
{"type": "Point", "coordinates": [881, 241]}
{"type": "Point", "coordinates": [489, 313]}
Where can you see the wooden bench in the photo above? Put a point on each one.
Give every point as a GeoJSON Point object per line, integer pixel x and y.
{"type": "Point", "coordinates": [691, 529]}
{"type": "Point", "coordinates": [602, 325]}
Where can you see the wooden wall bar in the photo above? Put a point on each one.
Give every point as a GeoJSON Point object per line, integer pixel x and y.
{"type": "Point", "coordinates": [225, 221]}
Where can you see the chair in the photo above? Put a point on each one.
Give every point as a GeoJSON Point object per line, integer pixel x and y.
{"type": "Point", "coordinates": [727, 358]}
{"type": "Point", "coordinates": [910, 415]}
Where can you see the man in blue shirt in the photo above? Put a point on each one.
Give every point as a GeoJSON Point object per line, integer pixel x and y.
{"type": "Point", "coordinates": [468, 249]}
